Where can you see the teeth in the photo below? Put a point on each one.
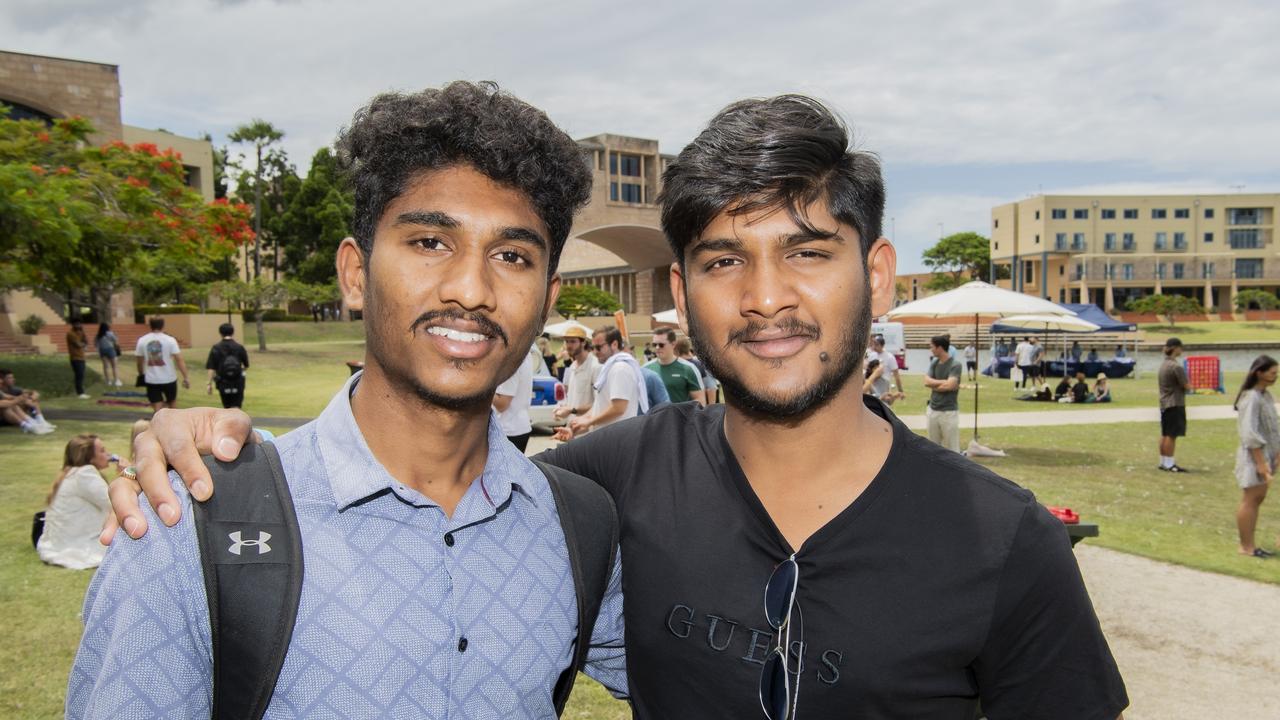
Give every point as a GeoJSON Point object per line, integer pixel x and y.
{"type": "Point", "coordinates": [456, 335]}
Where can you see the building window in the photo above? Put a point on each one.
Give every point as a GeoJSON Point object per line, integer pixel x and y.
{"type": "Point", "coordinates": [997, 244]}
{"type": "Point", "coordinates": [1245, 239]}
{"type": "Point", "coordinates": [1029, 275]}
{"type": "Point", "coordinates": [1108, 214]}
{"type": "Point", "coordinates": [1128, 241]}
{"type": "Point", "coordinates": [1208, 237]}
{"type": "Point", "coordinates": [1059, 214]}
{"type": "Point", "coordinates": [1179, 241]}
{"type": "Point", "coordinates": [1181, 213]}
{"type": "Point", "coordinates": [1109, 242]}
{"type": "Point", "coordinates": [1037, 214]}
{"type": "Point", "coordinates": [1060, 241]}
{"type": "Point", "coordinates": [632, 193]}
{"type": "Point", "coordinates": [1080, 214]}
{"type": "Point", "coordinates": [1126, 271]}
{"type": "Point", "coordinates": [1162, 241]}
{"type": "Point", "coordinates": [995, 223]}
{"type": "Point", "coordinates": [1037, 239]}
{"type": "Point", "coordinates": [613, 163]}
{"type": "Point", "coordinates": [1077, 241]}
{"type": "Point", "coordinates": [1249, 268]}
{"type": "Point", "coordinates": [1062, 270]}
{"type": "Point", "coordinates": [629, 165]}
{"type": "Point", "coordinates": [1131, 214]}
{"type": "Point", "coordinates": [1208, 213]}
{"type": "Point", "coordinates": [613, 191]}
{"type": "Point", "coordinates": [1159, 214]}
{"type": "Point", "coordinates": [1206, 271]}
{"type": "Point", "coordinates": [1244, 216]}
{"type": "Point", "coordinates": [1108, 272]}
{"type": "Point", "coordinates": [1160, 271]}
{"type": "Point", "coordinates": [1177, 271]}
{"type": "Point", "coordinates": [1079, 272]}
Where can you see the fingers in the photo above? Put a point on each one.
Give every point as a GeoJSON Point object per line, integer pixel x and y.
{"type": "Point", "coordinates": [153, 477]}
{"type": "Point", "coordinates": [124, 510]}
{"type": "Point", "coordinates": [109, 527]}
{"type": "Point", "coordinates": [230, 431]}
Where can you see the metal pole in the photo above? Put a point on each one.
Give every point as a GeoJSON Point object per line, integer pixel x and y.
{"type": "Point", "coordinates": [977, 355]}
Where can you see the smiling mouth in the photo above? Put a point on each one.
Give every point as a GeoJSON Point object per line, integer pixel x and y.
{"type": "Point", "coordinates": [456, 335]}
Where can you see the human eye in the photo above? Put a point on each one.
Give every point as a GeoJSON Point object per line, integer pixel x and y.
{"type": "Point", "coordinates": [429, 242]}
{"type": "Point", "coordinates": [511, 256]}
{"type": "Point", "coordinates": [809, 254]}
{"type": "Point", "coordinates": [721, 263]}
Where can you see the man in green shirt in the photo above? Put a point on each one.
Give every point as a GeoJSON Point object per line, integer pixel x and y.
{"type": "Point", "coordinates": [682, 379]}
{"type": "Point", "coordinates": [943, 381]}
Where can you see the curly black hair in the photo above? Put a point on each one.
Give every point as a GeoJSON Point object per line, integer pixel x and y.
{"type": "Point", "coordinates": [769, 154]}
{"type": "Point", "coordinates": [397, 136]}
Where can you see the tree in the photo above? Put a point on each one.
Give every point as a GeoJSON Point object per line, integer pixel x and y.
{"type": "Point", "coordinates": [1167, 305]}
{"type": "Point", "coordinates": [260, 134]}
{"type": "Point", "coordinates": [314, 295]}
{"type": "Point", "coordinates": [1258, 298]}
{"type": "Point", "coordinates": [82, 222]}
{"type": "Point", "coordinates": [318, 216]}
{"type": "Point", "coordinates": [255, 295]}
{"type": "Point", "coordinates": [965, 255]}
{"type": "Point", "coordinates": [578, 300]}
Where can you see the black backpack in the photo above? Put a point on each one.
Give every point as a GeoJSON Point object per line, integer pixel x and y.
{"type": "Point", "coordinates": [251, 554]}
{"type": "Point", "coordinates": [230, 370]}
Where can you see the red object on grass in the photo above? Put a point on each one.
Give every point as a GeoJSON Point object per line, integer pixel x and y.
{"type": "Point", "coordinates": [1066, 515]}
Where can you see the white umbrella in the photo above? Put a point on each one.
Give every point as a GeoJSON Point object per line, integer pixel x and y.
{"type": "Point", "coordinates": [559, 329]}
{"type": "Point", "coordinates": [977, 298]}
{"type": "Point", "coordinates": [666, 317]}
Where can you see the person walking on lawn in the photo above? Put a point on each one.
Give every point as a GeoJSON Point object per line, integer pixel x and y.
{"type": "Point", "coordinates": [1258, 457]}
{"type": "Point", "coordinates": [76, 344]}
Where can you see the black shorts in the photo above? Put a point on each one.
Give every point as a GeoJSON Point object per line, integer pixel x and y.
{"type": "Point", "coordinates": [166, 393]}
{"type": "Point", "coordinates": [231, 393]}
{"type": "Point", "coordinates": [971, 364]}
{"type": "Point", "coordinates": [1173, 421]}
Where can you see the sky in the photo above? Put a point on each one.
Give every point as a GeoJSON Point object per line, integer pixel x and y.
{"type": "Point", "coordinates": [968, 105]}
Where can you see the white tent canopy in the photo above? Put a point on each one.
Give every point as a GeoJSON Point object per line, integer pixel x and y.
{"type": "Point", "coordinates": [1063, 323]}
{"type": "Point", "coordinates": [666, 317]}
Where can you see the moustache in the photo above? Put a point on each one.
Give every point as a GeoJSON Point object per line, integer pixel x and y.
{"type": "Point", "coordinates": [790, 326]}
{"type": "Point", "coordinates": [485, 325]}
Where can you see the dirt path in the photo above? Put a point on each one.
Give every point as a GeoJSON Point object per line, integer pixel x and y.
{"type": "Point", "coordinates": [1190, 644]}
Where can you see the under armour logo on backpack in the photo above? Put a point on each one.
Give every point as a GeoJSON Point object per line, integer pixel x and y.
{"type": "Point", "coordinates": [260, 543]}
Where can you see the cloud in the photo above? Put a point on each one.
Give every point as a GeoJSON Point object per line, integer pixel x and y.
{"type": "Point", "coordinates": [913, 223]}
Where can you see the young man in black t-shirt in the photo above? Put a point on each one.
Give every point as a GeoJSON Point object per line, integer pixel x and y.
{"type": "Point", "coordinates": [227, 364]}
{"type": "Point", "coordinates": [924, 583]}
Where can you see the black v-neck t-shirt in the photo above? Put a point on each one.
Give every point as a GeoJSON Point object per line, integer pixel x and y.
{"type": "Point", "coordinates": [942, 584]}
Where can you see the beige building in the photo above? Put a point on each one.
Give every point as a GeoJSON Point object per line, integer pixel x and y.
{"type": "Point", "coordinates": [616, 242]}
{"type": "Point", "coordinates": [46, 88]}
{"type": "Point", "coordinates": [1110, 248]}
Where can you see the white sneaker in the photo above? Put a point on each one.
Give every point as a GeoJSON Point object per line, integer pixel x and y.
{"type": "Point", "coordinates": [45, 423]}
{"type": "Point", "coordinates": [83, 396]}
{"type": "Point", "coordinates": [118, 383]}
{"type": "Point", "coordinates": [42, 430]}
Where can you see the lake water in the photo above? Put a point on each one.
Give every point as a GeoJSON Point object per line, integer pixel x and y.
{"type": "Point", "coordinates": [1148, 361]}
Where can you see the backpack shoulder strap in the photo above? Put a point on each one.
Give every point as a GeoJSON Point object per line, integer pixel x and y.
{"type": "Point", "coordinates": [590, 523]}
{"type": "Point", "coordinates": [251, 553]}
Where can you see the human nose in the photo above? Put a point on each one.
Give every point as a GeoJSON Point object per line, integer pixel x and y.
{"type": "Point", "coordinates": [468, 282]}
{"type": "Point", "coordinates": [769, 290]}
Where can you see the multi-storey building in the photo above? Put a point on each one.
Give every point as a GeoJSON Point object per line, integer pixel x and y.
{"type": "Point", "coordinates": [1110, 248]}
{"type": "Point", "coordinates": [616, 242]}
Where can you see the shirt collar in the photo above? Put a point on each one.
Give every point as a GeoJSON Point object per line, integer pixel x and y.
{"type": "Point", "coordinates": [355, 475]}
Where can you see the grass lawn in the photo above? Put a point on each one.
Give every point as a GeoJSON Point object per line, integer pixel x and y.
{"type": "Point", "coordinates": [1225, 331]}
{"type": "Point", "coordinates": [996, 395]}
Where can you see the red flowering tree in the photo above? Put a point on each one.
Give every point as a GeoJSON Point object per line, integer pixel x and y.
{"type": "Point", "coordinates": [83, 221]}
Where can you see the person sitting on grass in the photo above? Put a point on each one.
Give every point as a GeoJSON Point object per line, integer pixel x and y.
{"type": "Point", "coordinates": [21, 407]}
{"type": "Point", "coordinates": [1101, 390]}
{"type": "Point", "coordinates": [1063, 389]}
{"type": "Point", "coordinates": [77, 506]}
{"type": "Point", "coordinates": [1080, 391]}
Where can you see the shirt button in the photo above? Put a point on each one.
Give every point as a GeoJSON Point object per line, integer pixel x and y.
{"type": "Point", "coordinates": [448, 539]}
{"type": "Point", "coordinates": [462, 645]}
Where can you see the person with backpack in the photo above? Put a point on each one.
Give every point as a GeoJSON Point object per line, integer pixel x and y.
{"type": "Point", "coordinates": [397, 556]}
{"type": "Point", "coordinates": [227, 363]}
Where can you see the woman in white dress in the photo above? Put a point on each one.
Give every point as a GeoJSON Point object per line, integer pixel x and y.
{"type": "Point", "coordinates": [1259, 452]}
{"type": "Point", "coordinates": [77, 507]}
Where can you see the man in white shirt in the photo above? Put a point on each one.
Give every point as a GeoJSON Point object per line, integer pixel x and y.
{"type": "Point", "coordinates": [1022, 357]}
{"type": "Point", "coordinates": [158, 354]}
{"type": "Point", "coordinates": [889, 368]}
{"type": "Point", "coordinates": [579, 376]}
{"type": "Point", "coordinates": [512, 399]}
{"type": "Point", "coordinates": [619, 389]}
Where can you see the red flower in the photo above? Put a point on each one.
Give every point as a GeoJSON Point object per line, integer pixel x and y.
{"type": "Point", "coordinates": [42, 137]}
{"type": "Point", "coordinates": [135, 182]}
{"type": "Point", "coordinates": [38, 170]}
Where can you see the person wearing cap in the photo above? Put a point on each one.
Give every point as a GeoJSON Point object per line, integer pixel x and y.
{"type": "Point", "coordinates": [579, 375]}
{"type": "Point", "coordinates": [1173, 383]}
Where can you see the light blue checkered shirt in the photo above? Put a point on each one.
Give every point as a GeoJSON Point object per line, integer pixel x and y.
{"type": "Point", "coordinates": [385, 602]}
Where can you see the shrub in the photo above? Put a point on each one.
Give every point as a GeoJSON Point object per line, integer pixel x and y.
{"type": "Point", "coordinates": [144, 311]}
{"type": "Point", "coordinates": [273, 315]}
{"type": "Point", "coordinates": [31, 324]}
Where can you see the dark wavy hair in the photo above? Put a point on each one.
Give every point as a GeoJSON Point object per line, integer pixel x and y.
{"type": "Point", "coordinates": [398, 136]}
{"type": "Point", "coordinates": [1261, 364]}
{"type": "Point", "coordinates": [784, 152]}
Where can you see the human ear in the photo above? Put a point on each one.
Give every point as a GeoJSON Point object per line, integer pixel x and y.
{"type": "Point", "coordinates": [882, 268]}
{"type": "Point", "coordinates": [352, 273]}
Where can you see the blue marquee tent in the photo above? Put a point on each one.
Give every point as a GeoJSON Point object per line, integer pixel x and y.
{"type": "Point", "coordinates": [1084, 311]}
